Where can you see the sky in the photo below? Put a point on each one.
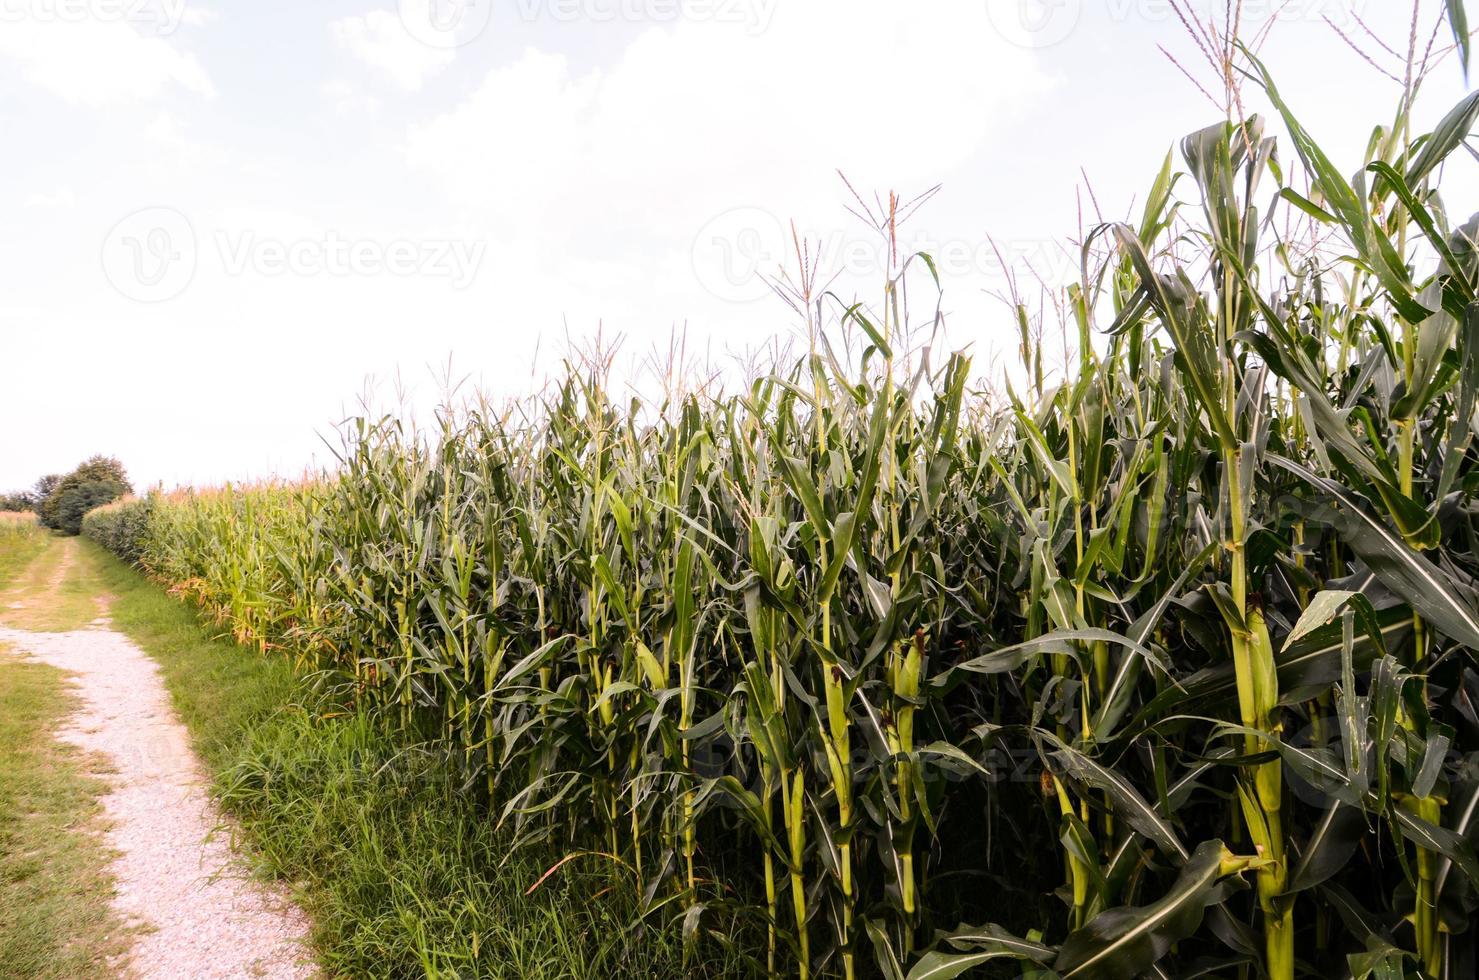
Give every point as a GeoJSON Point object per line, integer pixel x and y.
{"type": "Point", "coordinates": [227, 225]}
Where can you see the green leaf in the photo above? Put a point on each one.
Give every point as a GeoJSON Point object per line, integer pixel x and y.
{"type": "Point", "coordinates": [1014, 656]}
{"type": "Point", "coordinates": [1313, 661]}
{"type": "Point", "coordinates": [1461, 424]}
{"type": "Point", "coordinates": [1426, 587]}
{"type": "Point", "coordinates": [1179, 306]}
{"type": "Point", "coordinates": [656, 676]}
{"type": "Point", "coordinates": [982, 944]}
{"type": "Point", "coordinates": [943, 966]}
{"type": "Point", "coordinates": [1448, 135]}
{"type": "Point", "coordinates": [1464, 818]}
{"type": "Point", "coordinates": [1126, 801]}
{"type": "Point", "coordinates": [1458, 20]}
{"type": "Point", "coordinates": [1441, 840]}
{"type": "Point", "coordinates": [1125, 942]}
{"type": "Point", "coordinates": [994, 936]}
{"type": "Point", "coordinates": [1322, 610]}
{"type": "Point", "coordinates": [1348, 207]}
{"type": "Point", "coordinates": [888, 960]}
{"type": "Point", "coordinates": [1329, 847]}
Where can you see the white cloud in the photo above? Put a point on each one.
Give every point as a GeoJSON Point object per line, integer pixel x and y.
{"type": "Point", "coordinates": [592, 159]}
{"type": "Point", "coordinates": [197, 16]}
{"type": "Point", "coordinates": [61, 198]}
{"type": "Point", "coordinates": [702, 115]}
{"type": "Point", "coordinates": [624, 168]}
{"type": "Point", "coordinates": [98, 63]}
{"type": "Point", "coordinates": [530, 126]}
{"type": "Point", "coordinates": [348, 100]}
{"type": "Point", "coordinates": [380, 40]}
{"type": "Point", "coordinates": [175, 151]}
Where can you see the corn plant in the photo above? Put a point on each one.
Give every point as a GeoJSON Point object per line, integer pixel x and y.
{"type": "Point", "coordinates": [1158, 665]}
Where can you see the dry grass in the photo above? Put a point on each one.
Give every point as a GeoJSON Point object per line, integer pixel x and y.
{"type": "Point", "coordinates": [55, 591]}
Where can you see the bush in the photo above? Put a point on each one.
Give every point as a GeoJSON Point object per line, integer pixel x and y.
{"type": "Point", "coordinates": [74, 504]}
{"type": "Point", "coordinates": [121, 527]}
{"type": "Point", "coordinates": [16, 502]}
{"type": "Point", "coordinates": [63, 502]}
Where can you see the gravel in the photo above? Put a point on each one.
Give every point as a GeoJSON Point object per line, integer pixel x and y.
{"type": "Point", "coordinates": [177, 872]}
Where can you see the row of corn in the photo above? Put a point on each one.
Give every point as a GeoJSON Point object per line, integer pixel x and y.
{"type": "Point", "coordinates": [1166, 668]}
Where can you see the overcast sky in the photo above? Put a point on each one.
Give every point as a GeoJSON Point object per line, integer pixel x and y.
{"type": "Point", "coordinates": [222, 221]}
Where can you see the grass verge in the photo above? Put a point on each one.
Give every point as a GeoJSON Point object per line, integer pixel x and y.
{"type": "Point", "coordinates": [55, 590]}
{"type": "Point", "coordinates": [54, 892]}
{"type": "Point", "coordinates": [21, 541]}
{"type": "Point", "coordinates": [399, 871]}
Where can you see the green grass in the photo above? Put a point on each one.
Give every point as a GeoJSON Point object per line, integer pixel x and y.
{"type": "Point", "coordinates": [398, 870]}
{"type": "Point", "coordinates": [54, 917]}
{"type": "Point", "coordinates": [56, 591]}
{"type": "Point", "coordinates": [20, 542]}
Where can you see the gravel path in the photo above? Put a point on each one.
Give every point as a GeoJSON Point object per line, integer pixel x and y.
{"type": "Point", "coordinates": [203, 917]}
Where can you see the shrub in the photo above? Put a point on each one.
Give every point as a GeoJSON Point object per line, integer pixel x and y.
{"type": "Point", "coordinates": [121, 527]}
{"type": "Point", "coordinates": [16, 502]}
{"type": "Point", "coordinates": [97, 481]}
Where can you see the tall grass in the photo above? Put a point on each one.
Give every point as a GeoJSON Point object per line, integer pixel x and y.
{"type": "Point", "coordinates": [20, 543]}
{"type": "Point", "coordinates": [1166, 668]}
{"type": "Point", "coordinates": [398, 868]}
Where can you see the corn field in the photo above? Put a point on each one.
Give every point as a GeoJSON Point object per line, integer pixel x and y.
{"type": "Point", "coordinates": [1163, 669]}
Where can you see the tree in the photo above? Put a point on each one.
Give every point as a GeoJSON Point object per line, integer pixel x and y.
{"type": "Point", "coordinates": [18, 501]}
{"type": "Point", "coordinates": [44, 487]}
{"type": "Point", "coordinates": [98, 480]}
{"type": "Point", "coordinates": [79, 498]}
